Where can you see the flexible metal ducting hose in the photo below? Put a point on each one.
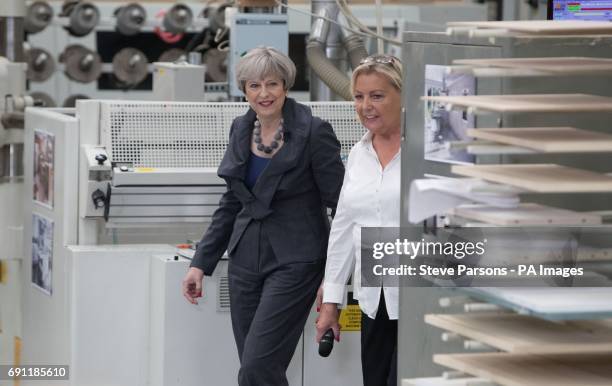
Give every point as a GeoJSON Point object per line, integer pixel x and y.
{"type": "Point", "coordinates": [335, 79]}
{"type": "Point", "coordinates": [355, 48]}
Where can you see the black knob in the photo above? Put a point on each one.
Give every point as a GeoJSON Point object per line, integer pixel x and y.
{"type": "Point", "coordinates": [98, 198]}
{"type": "Point", "coordinates": [101, 158]}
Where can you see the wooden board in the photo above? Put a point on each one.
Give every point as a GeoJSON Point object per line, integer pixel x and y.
{"type": "Point", "coordinates": [548, 139]}
{"type": "Point", "coordinates": [553, 27]}
{"type": "Point", "coordinates": [562, 303]}
{"type": "Point", "coordinates": [537, 103]}
{"type": "Point", "coordinates": [542, 178]}
{"type": "Point", "coordinates": [559, 65]}
{"type": "Point", "coordinates": [534, 370]}
{"type": "Point", "coordinates": [526, 214]}
{"type": "Point", "coordinates": [440, 381]}
{"type": "Point", "coordinates": [524, 334]}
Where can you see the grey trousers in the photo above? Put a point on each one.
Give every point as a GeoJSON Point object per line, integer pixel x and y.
{"type": "Point", "coordinates": [269, 303]}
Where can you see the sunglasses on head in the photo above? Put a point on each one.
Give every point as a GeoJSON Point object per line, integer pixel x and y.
{"type": "Point", "coordinates": [380, 59]}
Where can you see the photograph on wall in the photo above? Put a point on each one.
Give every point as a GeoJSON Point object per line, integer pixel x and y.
{"type": "Point", "coordinates": [42, 253]}
{"type": "Point", "coordinates": [445, 130]}
{"type": "Point", "coordinates": [44, 154]}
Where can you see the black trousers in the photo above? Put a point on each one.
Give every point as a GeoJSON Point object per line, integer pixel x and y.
{"type": "Point", "coordinates": [379, 348]}
{"type": "Point", "coordinates": [270, 303]}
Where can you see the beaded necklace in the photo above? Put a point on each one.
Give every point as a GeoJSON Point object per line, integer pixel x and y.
{"type": "Point", "coordinates": [258, 141]}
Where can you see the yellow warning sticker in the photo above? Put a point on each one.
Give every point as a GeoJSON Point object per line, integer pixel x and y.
{"type": "Point", "coordinates": [17, 353]}
{"type": "Point", "coordinates": [17, 357]}
{"type": "Point", "coordinates": [3, 272]}
{"type": "Point", "coordinates": [144, 170]}
{"type": "Point", "coordinates": [350, 318]}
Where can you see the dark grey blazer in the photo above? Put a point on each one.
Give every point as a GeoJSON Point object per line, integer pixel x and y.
{"type": "Point", "coordinates": [289, 198]}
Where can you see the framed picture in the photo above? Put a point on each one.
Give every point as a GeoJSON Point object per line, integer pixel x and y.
{"type": "Point", "coordinates": [443, 128]}
{"type": "Point", "coordinates": [44, 156]}
{"type": "Point", "coordinates": [42, 253]}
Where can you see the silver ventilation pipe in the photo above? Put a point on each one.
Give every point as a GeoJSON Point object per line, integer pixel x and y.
{"type": "Point", "coordinates": [12, 14]}
{"type": "Point", "coordinates": [326, 55]}
{"type": "Point", "coordinates": [355, 48]}
{"type": "Point", "coordinates": [327, 51]}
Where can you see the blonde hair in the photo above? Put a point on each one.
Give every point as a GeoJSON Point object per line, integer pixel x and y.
{"type": "Point", "coordinates": [388, 66]}
{"type": "Point", "coordinates": [262, 62]}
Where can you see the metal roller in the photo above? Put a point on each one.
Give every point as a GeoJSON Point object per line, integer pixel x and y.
{"type": "Point", "coordinates": [12, 30]}
{"type": "Point", "coordinates": [71, 100]}
{"type": "Point", "coordinates": [172, 55]}
{"type": "Point", "coordinates": [216, 65]}
{"type": "Point", "coordinates": [84, 17]}
{"type": "Point", "coordinates": [215, 13]}
{"type": "Point", "coordinates": [11, 160]}
{"type": "Point", "coordinates": [41, 64]}
{"type": "Point", "coordinates": [130, 19]}
{"type": "Point", "coordinates": [38, 17]}
{"type": "Point", "coordinates": [130, 66]}
{"type": "Point", "coordinates": [178, 18]}
{"type": "Point", "coordinates": [81, 64]}
{"type": "Point", "coordinates": [42, 99]}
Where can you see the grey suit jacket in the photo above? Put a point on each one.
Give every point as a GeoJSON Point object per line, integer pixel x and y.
{"type": "Point", "coordinates": [289, 198]}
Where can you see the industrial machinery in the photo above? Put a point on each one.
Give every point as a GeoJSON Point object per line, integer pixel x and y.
{"type": "Point", "coordinates": [14, 101]}
{"type": "Point", "coordinates": [12, 88]}
{"type": "Point", "coordinates": [217, 31]}
{"type": "Point", "coordinates": [108, 180]}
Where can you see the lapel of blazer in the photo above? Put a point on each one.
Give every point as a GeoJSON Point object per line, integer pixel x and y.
{"type": "Point", "coordinates": [297, 120]}
{"type": "Point", "coordinates": [233, 167]}
{"type": "Point", "coordinates": [236, 157]}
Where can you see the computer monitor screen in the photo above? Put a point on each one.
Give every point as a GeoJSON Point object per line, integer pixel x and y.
{"type": "Point", "coordinates": [600, 10]}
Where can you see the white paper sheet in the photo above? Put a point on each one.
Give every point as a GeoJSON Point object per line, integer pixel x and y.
{"type": "Point", "coordinates": [428, 197]}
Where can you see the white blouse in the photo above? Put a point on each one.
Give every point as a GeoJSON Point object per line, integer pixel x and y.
{"type": "Point", "coordinates": [370, 197]}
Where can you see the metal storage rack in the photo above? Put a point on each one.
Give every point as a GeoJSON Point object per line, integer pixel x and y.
{"type": "Point", "coordinates": [418, 342]}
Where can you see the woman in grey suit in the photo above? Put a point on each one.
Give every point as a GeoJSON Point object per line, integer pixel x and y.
{"type": "Point", "coordinates": [283, 169]}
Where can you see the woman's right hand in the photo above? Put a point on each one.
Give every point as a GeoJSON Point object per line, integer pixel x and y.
{"type": "Point", "coordinates": [328, 318]}
{"type": "Point", "coordinates": [192, 285]}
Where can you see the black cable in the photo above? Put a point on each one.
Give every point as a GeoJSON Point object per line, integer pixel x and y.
{"type": "Point", "coordinates": [192, 43]}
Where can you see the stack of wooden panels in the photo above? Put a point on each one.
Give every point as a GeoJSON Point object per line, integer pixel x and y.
{"type": "Point", "coordinates": [561, 303]}
{"type": "Point", "coordinates": [547, 139]}
{"type": "Point", "coordinates": [529, 103]}
{"type": "Point", "coordinates": [522, 334]}
{"type": "Point", "coordinates": [525, 214]}
{"type": "Point", "coordinates": [541, 178]}
{"type": "Point", "coordinates": [582, 369]}
{"type": "Point", "coordinates": [440, 381]}
{"type": "Point", "coordinates": [544, 66]}
{"type": "Point", "coordinates": [537, 352]}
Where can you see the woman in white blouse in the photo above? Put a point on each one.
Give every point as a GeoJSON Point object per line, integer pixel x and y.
{"type": "Point", "coordinates": [370, 197]}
